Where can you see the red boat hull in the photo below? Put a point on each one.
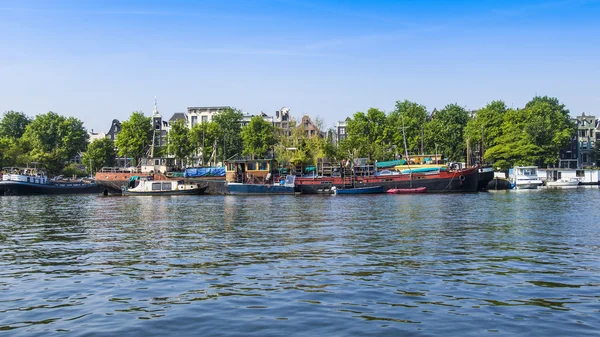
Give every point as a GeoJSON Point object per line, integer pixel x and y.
{"type": "Point", "coordinates": [442, 182]}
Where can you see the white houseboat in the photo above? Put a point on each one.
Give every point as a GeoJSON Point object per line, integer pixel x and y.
{"type": "Point", "coordinates": [148, 186]}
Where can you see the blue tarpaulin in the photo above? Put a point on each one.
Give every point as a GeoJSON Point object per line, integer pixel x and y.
{"type": "Point", "coordinates": [204, 172]}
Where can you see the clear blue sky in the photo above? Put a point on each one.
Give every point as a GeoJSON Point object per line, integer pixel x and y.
{"type": "Point", "coordinates": [99, 60]}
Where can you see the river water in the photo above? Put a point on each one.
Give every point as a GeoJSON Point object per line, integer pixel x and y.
{"type": "Point", "coordinates": [498, 263]}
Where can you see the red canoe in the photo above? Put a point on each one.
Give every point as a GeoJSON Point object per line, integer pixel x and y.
{"type": "Point", "coordinates": [407, 190]}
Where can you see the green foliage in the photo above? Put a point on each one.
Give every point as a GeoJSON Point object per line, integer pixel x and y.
{"type": "Point", "coordinates": [490, 118]}
{"type": "Point", "coordinates": [54, 139]}
{"type": "Point", "coordinates": [13, 124]}
{"type": "Point", "coordinates": [229, 123]}
{"type": "Point", "coordinates": [203, 138]}
{"type": "Point", "coordinates": [258, 137]}
{"type": "Point", "coordinates": [100, 153]}
{"type": "Point", "coordinates": [415, 118]}
{"type": "Point", "coordinates": [367, 135]}
{"type": "Point", "coordinates": [72, 170]}
{"type": "Point", "coordinates": [533, 135]}
{"type": "Point", "coordinates": [180, 144]}
{"type": "Point", "coordinates": [445, 132]}
{"type": "Point", "coordinates": [135, 136]}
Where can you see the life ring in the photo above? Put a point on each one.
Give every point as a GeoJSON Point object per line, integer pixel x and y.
{"type": "Point", "coordinates": [461, 178]}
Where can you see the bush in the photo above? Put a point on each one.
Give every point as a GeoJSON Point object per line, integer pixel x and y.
{"type": "Point", "coordinates": [73, 169]}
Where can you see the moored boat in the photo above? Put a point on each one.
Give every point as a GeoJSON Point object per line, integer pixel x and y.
{"type": "Point", "coordinates": [28, 181]}
{"type": "Point", "coordinates": [525, 178]}
{"type": "Point", "coordinates": [256, 177]}
{"type": "Point", "coordinates": [162, 187]}
{"type": "Point", "coordinates": [407, 190]}
{"type": "Point", "coordinates": [439, 181]}
{"type": "Point", "coordinates": [360, 190]}
{"type": "Point", "coordinates": [563, 183]}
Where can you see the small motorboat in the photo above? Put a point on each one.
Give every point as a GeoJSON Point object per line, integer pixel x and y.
{"type": "Point", "coordinates": [563, 183]}
{"type": "Point", "coordinates": [359, 190]}
{"type": "Point", "coordinates": [407, 190]}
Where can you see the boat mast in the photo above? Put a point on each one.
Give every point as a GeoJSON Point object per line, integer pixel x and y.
{"type": "Point", "coordinates": [406, 150]}
{"type": "Point", "coordinates": [482, 147]}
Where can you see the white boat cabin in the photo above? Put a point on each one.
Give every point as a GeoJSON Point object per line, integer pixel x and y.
{"type": "Point", "coordinates": [162, 186]}
{"type": "Point", "coordinates": [525, 177]}
{"type": "Point", "coordinates": [24, 175]}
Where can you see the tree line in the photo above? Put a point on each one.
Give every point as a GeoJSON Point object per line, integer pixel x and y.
{"type": "Point", "coordinates": [532, 135]}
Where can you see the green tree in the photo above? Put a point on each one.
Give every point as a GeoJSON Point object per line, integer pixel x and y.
{"type": "Point", "coordinates": [415, 118]}
{"type": "Point", "coordinates": [490, 118]}
{"type": "Point", "coordinates": [230, 127]}
{"type": "Point", "coordinates": [533, 135]}
{"type": "Point", "coordinates": [100, 153]}
{"type": "Point", "coordinates": [55, 139]}
{"type": "Point", "coordinates": [180, 144]}
{"type": "Point", "coordinates": [13, 124]}
{"type": "Point", "coordinates": [203, 138]}
{"type": "Point", "coordinates": [366, 134]}
{"type": "Point", "coordinates": [72, 170]}
{"type": "Point", "coordinates": [135, 136]}
{"type": "Point", "coordinates": [258, 137]}
{"type": "Point", "coordinates": [445, 132]}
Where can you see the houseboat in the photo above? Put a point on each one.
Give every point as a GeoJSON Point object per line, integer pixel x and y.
{"type": "Point", "coordinates": [525, 177]}
{"type": "Point", "coordinates": [256, 177]}
{"type": "Point", "coordinates": [30, 181]}
{"type": "Point", "coordinates": [435, 180]}
{"type": "Point", "coordinates": [149, 186]}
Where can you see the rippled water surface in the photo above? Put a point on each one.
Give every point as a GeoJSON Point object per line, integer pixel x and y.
{"type": "Point", "coordinates": [433, 265]}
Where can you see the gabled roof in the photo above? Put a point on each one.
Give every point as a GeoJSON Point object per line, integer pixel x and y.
{"type": "Point", "coordinates": [178, 116]}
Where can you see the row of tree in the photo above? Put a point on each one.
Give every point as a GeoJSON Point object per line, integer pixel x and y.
{"type": "Point", "coordinates": [531, 135]}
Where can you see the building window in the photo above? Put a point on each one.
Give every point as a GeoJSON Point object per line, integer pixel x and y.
{"type": "Point", "coordinates": [194, 120]}
{"type": "Point", "coordinates": [204, 119]}
{"type": "Point", "coordinates": [584, 158]}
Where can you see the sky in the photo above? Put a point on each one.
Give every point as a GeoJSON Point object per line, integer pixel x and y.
{"type": "Point", "coordinates": [100, 60]}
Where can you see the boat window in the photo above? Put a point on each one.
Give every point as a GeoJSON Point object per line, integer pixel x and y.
{"type": "Point", "coordinates": [251, 166]}
{"type": "Point", "coordinates": [179, 182]}
{"type": "Point", "coordinates": [580, 173]}
{"type": "Point", "coordinates": [27, 179]}
{"type": "Point", "coordinates": [263, 166]}
{"type": "Point", "coordinates": [231, 167]}
{"type": "Point", "coordinates": [166, 186]}
{"type": "Point", "coordinates": [156, 186]}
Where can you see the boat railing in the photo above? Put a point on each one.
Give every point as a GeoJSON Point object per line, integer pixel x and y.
{"type": "Point", "coordinates": [120, 170]}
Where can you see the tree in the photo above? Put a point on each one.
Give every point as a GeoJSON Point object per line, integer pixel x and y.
{"type": "Point", "coordinates": [203, 138]}
{"type": "Point", "coordinates": [13, 124]}
{"type": "Point", "coordinates": [533, 135]}
{"type": "Point", "coordinates": [445, 132]}
{"type": "Point", "coordinates": [54, 139]}
{"type": "Point", "coordinates": [100, 153]}
{"type": "Point", "coordinates": [366, 133]}
{"type": "Point", "coordinates": [230, 127]}
{"type": "Point", "coordinates": [180, 144]}
{"type": "Point", "coordinates": [258, 137]}
{"type": "Point", "coordinates": [72, 170]}
{"type": "Point", "coordinates": [135, 136]}
{"type": "Point", "coordinates": [415, 117]}
{"type": "Point", "coordinates": [490, 118]}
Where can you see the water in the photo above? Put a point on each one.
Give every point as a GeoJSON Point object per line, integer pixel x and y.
{"type": "Point", "coordinates": [518, 262]}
